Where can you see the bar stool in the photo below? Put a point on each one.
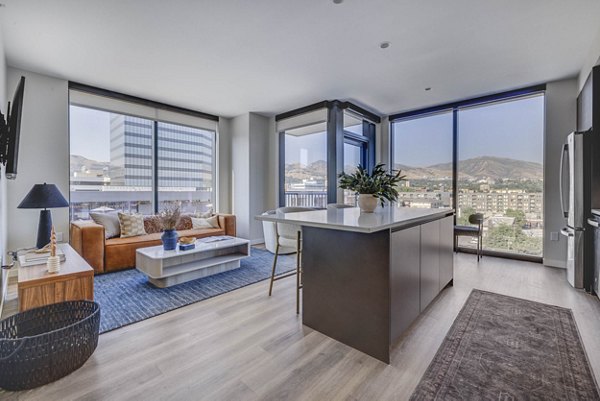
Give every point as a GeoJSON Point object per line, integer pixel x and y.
{"type": "Point", "coordinates": [289, 235]}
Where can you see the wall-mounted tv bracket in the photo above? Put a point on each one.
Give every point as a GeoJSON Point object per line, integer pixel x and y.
{"type": "Point", "coordinates": [3, 139]}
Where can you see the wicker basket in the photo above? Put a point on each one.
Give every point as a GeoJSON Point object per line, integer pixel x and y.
{"type": "Point", "coordinates": [42, 345]}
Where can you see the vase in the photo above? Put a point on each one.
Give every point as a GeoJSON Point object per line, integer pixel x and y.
{"type": "Point", "coordinates": [367, 203]}
{"type": "Point", "coordinates": [169, 240]}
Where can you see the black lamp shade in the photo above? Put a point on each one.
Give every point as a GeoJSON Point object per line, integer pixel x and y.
{"type": "Point", "coordinates": [43, 196]}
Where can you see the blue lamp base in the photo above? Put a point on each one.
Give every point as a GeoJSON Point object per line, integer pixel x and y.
{"type": "Point", "coordinates": [44, 228]}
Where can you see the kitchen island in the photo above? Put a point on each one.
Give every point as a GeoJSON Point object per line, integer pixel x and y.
{"type": "Point", "coordinates": [367, 276]}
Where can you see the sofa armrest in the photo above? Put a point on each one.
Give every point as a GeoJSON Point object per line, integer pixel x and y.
{"type": "Point", "coordinates": [227, 223]}
{"type": "Point", "coordinates": [87, 238]}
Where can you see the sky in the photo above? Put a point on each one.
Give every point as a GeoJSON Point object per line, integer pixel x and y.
{"type": "Point", "coordinates": [513, 129]}
{"type": "Point", "coordinates": [90, 133]}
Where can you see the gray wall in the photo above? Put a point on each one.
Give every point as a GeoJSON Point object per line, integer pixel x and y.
{"type": "Point", "coordinates": [224, 165]}
{"type": "Point", "coordinates": [560, 120]}
{"type": "Point", "coordinates": [43, 156]}
{"type": "Point", "coordinates": [250, 134]}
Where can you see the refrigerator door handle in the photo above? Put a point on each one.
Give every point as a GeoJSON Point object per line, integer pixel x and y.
{"type": "Point", "coordinates": [565, 149]}
{"type": "Point", "coordinates": [566, 232]}
{"type": "Point", "coordinates": [593, 223]}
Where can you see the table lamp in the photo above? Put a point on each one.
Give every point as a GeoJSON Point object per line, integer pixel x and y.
{"type": "Point", "coordinates": [43, 196]}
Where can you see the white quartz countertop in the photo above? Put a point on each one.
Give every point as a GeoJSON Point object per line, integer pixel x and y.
{"type": "Point", "coordinates": [351, 219]}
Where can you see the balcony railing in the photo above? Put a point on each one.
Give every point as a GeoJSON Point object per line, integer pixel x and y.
{"type": "Point", "coordinates": [317, 199]}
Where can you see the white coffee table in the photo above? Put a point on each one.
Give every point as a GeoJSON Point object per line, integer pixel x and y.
{"type": "Point", "coordinates": [167, 268]}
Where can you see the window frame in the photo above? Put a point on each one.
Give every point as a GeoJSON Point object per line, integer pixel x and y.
{"type": "Point", "coordinates": [133, 100]}
{"type": "Point", "coordinates": [455, 107]}
{"type": "Point", "coordinates": [336, 137]}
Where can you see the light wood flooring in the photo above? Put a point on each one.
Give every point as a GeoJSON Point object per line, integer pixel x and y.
{"type": "Point", "coordinates": [246, 346]}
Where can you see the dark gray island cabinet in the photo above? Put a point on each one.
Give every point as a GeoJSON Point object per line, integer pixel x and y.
{"type": "Point", "coordinates": [367, 277]}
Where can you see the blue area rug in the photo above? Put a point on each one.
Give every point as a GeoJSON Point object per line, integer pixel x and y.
{"type": "Point", "coordinates": [127, 297]}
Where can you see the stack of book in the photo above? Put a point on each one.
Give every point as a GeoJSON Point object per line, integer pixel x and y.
{"type": "Point", "coordinates": [38, 258]}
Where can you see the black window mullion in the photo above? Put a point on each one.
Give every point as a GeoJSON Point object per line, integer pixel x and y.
{"type": "Point", "coordinates": [155, 166]}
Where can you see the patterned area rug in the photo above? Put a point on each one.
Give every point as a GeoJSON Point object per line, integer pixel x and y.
{"type": "Point", "coordinates": [505, 348]}
{"type": "Point", "coordinates": [127, 297]}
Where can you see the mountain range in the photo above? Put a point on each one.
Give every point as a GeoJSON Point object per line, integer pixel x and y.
{"type": "Point", "coordinates": [478, 168]}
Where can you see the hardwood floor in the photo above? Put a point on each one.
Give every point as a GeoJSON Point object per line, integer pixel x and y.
{"type": "Point", "coordinates": [246, 346]}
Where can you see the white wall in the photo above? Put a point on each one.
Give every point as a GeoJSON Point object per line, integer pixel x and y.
{"type": "Point", "coordinates": [560, 120]}
{"type": "Point", "coordinates": [250, 137]}
{"type": "Point", "coordinates": [240, 173]}
{"type": "Point", "coordinates": [259, 173]}
{"type": "Point", "coordinates": [592, 59]}
{"type": "Point", "coordinates": [43, 155]}
{"type": "Point", "coordinates": [224, 166]}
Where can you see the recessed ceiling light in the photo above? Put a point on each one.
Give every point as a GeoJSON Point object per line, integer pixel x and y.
{"type": "Point", "coordinates": [384, 45]}
{"type": "Point", "coordinates": [427, 89]}
{"type": "Point", "coordinates": [338, 1]}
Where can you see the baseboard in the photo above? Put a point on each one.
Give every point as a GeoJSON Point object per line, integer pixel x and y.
{"type": "Point", "coordinates": [555, 263]}
{"type": "Point", "coordinates": [257, 241]}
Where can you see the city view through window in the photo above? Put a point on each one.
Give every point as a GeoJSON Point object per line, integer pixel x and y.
{"type": "Point", "coordinates": [498, 176]}
{"type": "Point", "coordinates": [112, 164]}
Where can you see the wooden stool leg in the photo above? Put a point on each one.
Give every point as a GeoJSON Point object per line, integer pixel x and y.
{"type": "Point", "coordinates": [274, 266]}
{"type": "Point", "coordinates": [298, 270]}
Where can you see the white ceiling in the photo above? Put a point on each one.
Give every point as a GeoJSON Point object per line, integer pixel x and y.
{"type": "Point", "coordinates": [268, 56]}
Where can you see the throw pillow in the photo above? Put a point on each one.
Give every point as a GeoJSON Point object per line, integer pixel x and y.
{"type": "Point", "coordinates": [211, 222]}
{"type": "Point", "coordinates": [110, 221]}
{"type": "Point", "coordinates": [153, 224]}
{"type": "Point", "coordinates": [185, 223]}
{"type": "Point", "coordinates": [205, 215]}
{"type": "Point", "coordinates": [131, 225]}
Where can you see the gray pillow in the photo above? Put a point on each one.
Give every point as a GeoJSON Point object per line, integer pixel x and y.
{"type": "Point", "coordinates": [110, 221]}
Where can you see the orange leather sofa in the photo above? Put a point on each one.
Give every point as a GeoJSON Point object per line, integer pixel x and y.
{"type": "Point", "coordinates": [107, 255]}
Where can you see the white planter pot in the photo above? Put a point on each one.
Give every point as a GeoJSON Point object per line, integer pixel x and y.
{"type": "Point", "coordinates": [367, 203]}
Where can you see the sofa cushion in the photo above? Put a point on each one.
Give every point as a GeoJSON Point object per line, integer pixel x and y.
{"type": "Point", "coordinates": [110, 222]}
{"type": "Point", "coordinates": [185, 223]}
{"type": "Point", "coordinates": [131, 225]}
{"type": "Point", "coordinates": [120, 252]}
{"type": "Point", "coordinates": [210, 222]}
{"type": "Point", "coordinates": [153, 224]}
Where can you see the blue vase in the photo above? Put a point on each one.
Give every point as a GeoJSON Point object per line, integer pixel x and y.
{"type": "Point", "coordinates": [169, 240]}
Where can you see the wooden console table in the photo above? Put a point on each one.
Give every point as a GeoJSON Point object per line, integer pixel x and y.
{"type": "Point", "coordinates": [75, 281]}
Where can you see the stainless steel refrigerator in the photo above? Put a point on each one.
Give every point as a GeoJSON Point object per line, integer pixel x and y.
{"type": "Point", "coordinates": [579, 182]}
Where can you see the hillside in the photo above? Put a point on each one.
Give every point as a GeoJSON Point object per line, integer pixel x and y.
{"type": "Point", "coordinates": [77, 162]}
{"type": "Point", "coordinates": [495, 168]}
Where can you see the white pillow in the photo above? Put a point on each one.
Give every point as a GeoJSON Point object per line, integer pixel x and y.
{"type": "Point", "coordinates": [204, 215]}
{"type": "Point", "coordinates": [110, 221]}
{"type": "Point", "coordinates": [211, 222]}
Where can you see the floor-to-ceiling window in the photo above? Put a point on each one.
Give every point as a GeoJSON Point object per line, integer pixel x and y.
{"type": "Point", "coordinates": [186, 167]}
{"type": "Point", "coordinates": [305, 181]}
{"type": "Point", "coordinates": [119, 161]}
{"type": "Point", "coordinates": [316, 145]}
{"type": "Point", "coordinates": [422, 149]}
{"type": "Point", "coordinates": [500, 173]}
{"type": "Point", "coordinates": [479, 156]}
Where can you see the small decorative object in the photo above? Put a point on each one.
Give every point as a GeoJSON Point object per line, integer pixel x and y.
{"type": "Point", "coordinates": [378, 185]}
{"type": "Point", "coordinates": [53, 262]}
{"type": "Point", "coordinates": [170, 218]}
{"type": "Point", "coordinates": [187, 243]}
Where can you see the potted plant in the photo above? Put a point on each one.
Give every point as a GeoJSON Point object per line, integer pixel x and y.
{"type": "Point", "coordinates": [169, 219]}
{"type": "Point", "coordinates": [379, 185]}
